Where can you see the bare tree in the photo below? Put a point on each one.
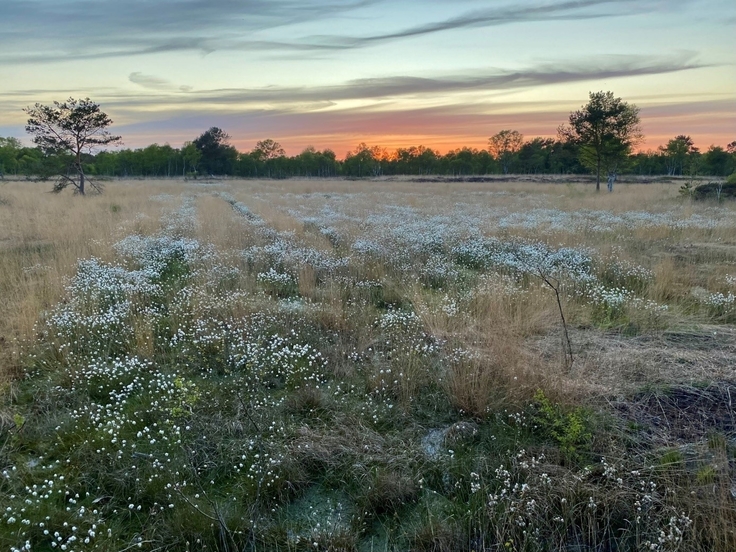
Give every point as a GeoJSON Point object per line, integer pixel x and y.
{"type": "Point", "coordinates": [74, 127]}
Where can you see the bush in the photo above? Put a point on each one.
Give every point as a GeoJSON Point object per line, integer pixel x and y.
{"type": "Point", "coordinates": [716, 190]}
{"type": "Point", "coordinates": [570, 430]}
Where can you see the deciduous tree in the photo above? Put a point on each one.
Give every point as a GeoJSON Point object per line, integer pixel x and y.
{"type": "Point", "coordinates": [190, 158]}
{"type": "Point", "coordinates": [717, 161]}
{"type": "Point", "coordinates": [504, 145]}
{"type": "Point", "coordinates": [676, 153]}
{"type": "Point", "coordinates": [75, 127]}
{"type": "Point", "coordinates": [267, 149]}
{"type": "Point", "coordinates": [10, 149]}
{"type": "Point", "coordinates": [361, 161]}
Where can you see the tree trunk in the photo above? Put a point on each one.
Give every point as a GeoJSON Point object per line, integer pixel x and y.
{"type": "Point", "coordinates": [598, 175]}
{"type": "Point", "coordinates": [80, 189]}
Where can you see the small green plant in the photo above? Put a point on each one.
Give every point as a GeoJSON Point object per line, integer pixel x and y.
{"type": "Point", "coordinates": [188, 396]}
{"type": "Point", "coordinates": [570, 430]}
{"type": "Point", "coordinates": [717, 442]}
{"type": "Point", "coordinates": [19, 420]}
{"type": "Point", "coordinates": [687, 189]}
{"type": "Point", "coordinates": [671, 458]}
{"type": "Point", "coordinates": [706, 475]}
{"type": "Point", "coordinates": [175, 271]}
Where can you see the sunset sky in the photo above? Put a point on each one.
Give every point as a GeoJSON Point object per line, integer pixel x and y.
{"type": "Point", "coordinates": [396, 73]}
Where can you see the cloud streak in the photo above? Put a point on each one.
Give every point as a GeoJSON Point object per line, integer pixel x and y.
{"type": "Point", "coordinates": [159, 94]}
{"type": "Point", "coordinates": [86, 29]}
{"type": "Point", "coordinates": [381, 88]}
{"type": "Point", "coordinates": [156, 83]}
{"type": "Point", "coordinates": [486, 86]}
{"type": "Point", "coordinates": [93, 29]}
{"type": "Point", "coordinates": [561, 11]}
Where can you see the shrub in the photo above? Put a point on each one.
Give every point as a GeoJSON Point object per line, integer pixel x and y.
{"type": "Point", "coordinates": [570, 430]}
{"type": "Point", "coordinates": [716, 190]}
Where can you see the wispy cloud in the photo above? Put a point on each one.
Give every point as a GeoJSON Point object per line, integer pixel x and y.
{"type": "Point", "coordinates": [168, 16]}
{"type": "Point", "coordinates": [606, 67]}
{"type": "Point", "coordinates": [86, 29]}
{"type": "Point", "coordinates": [505, 15]}
{"type": "Point", "coordinates": [92, 29]}
{"type": "Point", "coordinates": [160, 94]}
{"type": "Point", "coordinates": [156, 83]}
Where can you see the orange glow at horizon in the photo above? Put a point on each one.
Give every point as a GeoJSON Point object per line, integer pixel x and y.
{"type": "Point", "coordinates": [443, 144]}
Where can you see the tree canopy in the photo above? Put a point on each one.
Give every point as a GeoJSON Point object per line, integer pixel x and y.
{"type": "Point", "coordinates": [216, 155]}
{"type": "Point", "coordinates": [504, 145]}
{"type": "Point", "coordinates": [677, 152]}
{"type": "Point", "coordinates": [267, 149]}
{"type": "Point", "coordinates": [74, 127]}
{"type": "Point", "coordinates": [605, 129]}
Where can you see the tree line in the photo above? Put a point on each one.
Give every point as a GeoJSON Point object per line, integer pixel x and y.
{"type": "Point", "coordinates": [598, 138]}
{"type": "Point", "coordinates": [679, 157]}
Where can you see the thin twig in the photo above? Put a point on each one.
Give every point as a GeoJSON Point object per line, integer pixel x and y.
{"type": "Point", "coordinates": [569, 359]}
{"type": "Point", "coordinates": [246, 409]}
{"type": "Point", "coordinates": [226, 534]}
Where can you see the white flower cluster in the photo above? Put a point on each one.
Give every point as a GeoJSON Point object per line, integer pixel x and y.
{"type": "Point", "coordinates": [158, 252]}
{"type": "Point", "coordinates": [722, 302]}
{"type": "Point", "coordinates": [284, 254]}
{"type": "Point", "coordinates": [242, 209]}
{"type": "Point", "coordinates": [606, 221]}
{"type": "Point", "coordinates": [182, 221]}
{"type": "Point", "coordinates": [533, 258]}
{"type": "Point", "coordinates": [276, 278]}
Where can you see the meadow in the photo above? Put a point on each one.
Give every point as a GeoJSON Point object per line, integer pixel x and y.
{"type": "Point", "coordinates": [366, 366]}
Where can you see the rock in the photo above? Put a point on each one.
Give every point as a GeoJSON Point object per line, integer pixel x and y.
{"type": "Point", "coordinates": [459, 433]}
{"type": "Point", "coordinates": [432, 442]}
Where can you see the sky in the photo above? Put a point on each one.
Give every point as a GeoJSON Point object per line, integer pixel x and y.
{"type": "Point", "coordinates": [396, 73]}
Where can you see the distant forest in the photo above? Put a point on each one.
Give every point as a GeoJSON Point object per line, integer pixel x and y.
{"type": "Point", "coordinates": [211, 154]}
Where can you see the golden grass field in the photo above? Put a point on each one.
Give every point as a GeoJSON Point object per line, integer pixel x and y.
{"type": "Point", "coordinates": [44, 235]}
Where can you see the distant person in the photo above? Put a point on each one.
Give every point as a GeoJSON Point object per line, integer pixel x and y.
{"type": "Point", "coordinates": [611, 180]}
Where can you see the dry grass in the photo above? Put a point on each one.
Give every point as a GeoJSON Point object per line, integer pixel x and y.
{"type": "Point", "coordinates": [43, 236]}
